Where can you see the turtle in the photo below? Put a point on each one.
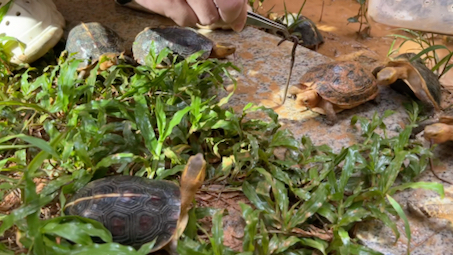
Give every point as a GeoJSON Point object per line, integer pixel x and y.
{"type": "Point", "coordinates": [413, 78]}
{"type": "Point", "coordinates": [182, 41]}
{"type": "Point", "coordinates": [433, 208]}
{"type": "Point", "coordinates": [303, 28]}
{"type": "Point", "coordinates": [440, 131]}
{"type": "Point", "coordinates": [138, 210]}
{"type": "Point", "coordinates": [95, 42]}
{"type": "Point", "coordinates": [331, 87]}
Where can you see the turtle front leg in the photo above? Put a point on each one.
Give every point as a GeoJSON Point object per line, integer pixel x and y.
{"type": "Point", "coordinates": [330, 112]}
{"type": "Point", "coordinates": [172, 247]}
{"type": "Point", "coordinates": [377, 99]}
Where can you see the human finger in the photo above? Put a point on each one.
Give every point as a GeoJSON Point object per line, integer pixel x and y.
{"type": "Point", "coordinates": [177, 10]}
{"type": "Point", "coordinates": [205, 11]}
{"type": "Point", "coordinates": [239, 23]}
{"type": "Point", "coordinates": [233, 12]}
{"type": "Point", "coordinates": [229, 9]}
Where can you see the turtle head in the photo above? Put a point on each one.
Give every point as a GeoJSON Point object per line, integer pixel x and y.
{"type": "Point", "coordinates": [191, 180]}
{"type": "Point", "coordinates": [438, 133]}
{"type": "Point", "coordinates": [387, 76]}
{"type": "Point", "coordinates": [108, 60]}
{"type": "Point", "coordinates": [194, 173]}
{"type": "Point", "coordinates": [308, 98]}
{"type": "Point", "coordinates": [222, 50]}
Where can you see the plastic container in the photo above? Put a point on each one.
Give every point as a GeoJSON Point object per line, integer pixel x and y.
{"type": "Point", "coordinates": [434, 16]}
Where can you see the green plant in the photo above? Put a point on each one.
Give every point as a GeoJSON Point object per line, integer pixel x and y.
{"type": "Point", "coordinates": [362, 19]}
{"type": "Point", "coordinates": [58, 131]}
{"type": "Point", "coordinates": [256, 4]}
{"type": "Point", "coordinates": [429, 49]}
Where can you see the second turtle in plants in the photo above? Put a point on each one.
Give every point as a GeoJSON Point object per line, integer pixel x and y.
{"type": "Point", "coordinates": [181, 41]}
{"type": "Point", "coordinates": [332, 87]}
{"type": "Point", "coordinates": [95, 42]}
{"type": "Point", "coordinates": [138, 210]}
{"type": "Point", "coordinates": [413, 78]}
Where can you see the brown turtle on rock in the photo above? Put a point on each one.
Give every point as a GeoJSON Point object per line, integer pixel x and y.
{"type": "Point", "coordinates": [181, 41]}
{"type": "Point", "coordinates": [332, 87]}
{"type": "Point", "coordinates": [412, 78]}
{"type": "Point", "coordinates": [138, 210]}
{"type": "Point", "coordinates": [95, 42]}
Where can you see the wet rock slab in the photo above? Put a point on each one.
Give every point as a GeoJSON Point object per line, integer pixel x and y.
{"type": "Point", "coordinates": [262, 80]}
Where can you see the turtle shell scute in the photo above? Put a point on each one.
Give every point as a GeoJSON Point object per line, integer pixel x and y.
{"type": "Point", "coordinates": [135, 210]}
{"type": "Point", "coordinates": [343, 83]}
{"type": "Point", "coordinates": [91, 40]}
{"type": "Point", "coordinates": [181, 41]}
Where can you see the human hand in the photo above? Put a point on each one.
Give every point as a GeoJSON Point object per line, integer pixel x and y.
{"type": "Point", "coordinates": [204, 12]}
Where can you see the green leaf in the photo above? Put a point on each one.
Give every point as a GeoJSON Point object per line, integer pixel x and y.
{"type": "Point", "coordinates": [24, 105]}
{"type": "Point", "coordinates": [142, 117]}
{"type": "Point", "coordinates": [384, 217]}
{"type": "Point", "coordinates": [285, 244]}
{"type": "Point", "coordinates": [402, 215]}
{"type": "Point", "coordinates": [434, 186]}
{"type": "Point", "coordinates": [161, 118]}
{"type": "Point", "coordinates": [175, 120]}
{"type": "Point", "coordinates": [217, 233]}
{"type": "Point", "coordinates": [77, 232]}
{"type": "Point", "coordinates": [315, 243]}
{"type": "Point", "coordinates": [348, 168]}
{"type": "Point", "coordinates": [144, 250]}
{"type": "Point", "coordinates": [256, 200]}
{"type": "Point", "coordinates": [115, 159]}
{"type": "Point", "coordinates": [278, 190]}
{"type": "Point", "coordinates": [37, 142]}
{"type": "Point", "coordinates": [392, 171]}
{"type": "Point", "coordinates": [284, 138]}
{"type": "Point", "coordinates": [428, 49]}
{"type": "Point", "coordinates": [107, 248]}
{"type": "Point", "coordinates": [353, 215]}
{"type": "Point", "coordinates": [354, 19]}
{"type": "Point", "coordinates": [311, 206]}
{"type": "Point", "coordinates": [251, 226]}
{"type": "Point", "coordinates": [5, 9]}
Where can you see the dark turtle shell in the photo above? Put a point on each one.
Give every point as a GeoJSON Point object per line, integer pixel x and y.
{"type": "Point", "coordinates": [91, 40]}
{"type": "Point", "coordinates": [181, 41]}
{"type": "Point", "coordinates": [420, 78]}
{"type": "Point", "coordinates": [343, 83]}
{"type": "Point", "coordinates": [303, 28]}
{"type": "Point", "coordinates": [135, 210]}
{"type": "Point", "coordinates": [307, 32]}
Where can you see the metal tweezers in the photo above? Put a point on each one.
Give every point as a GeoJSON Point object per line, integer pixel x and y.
{"type": "Point", "coordinates": [262, 22]}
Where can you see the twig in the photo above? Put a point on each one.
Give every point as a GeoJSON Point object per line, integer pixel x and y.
{"type": "Point", "coordinates": [434, 173]}
{"type": "Point", "coordinates": [293, 57]}
{"type": "Point", "coordinates": [322, 11]}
